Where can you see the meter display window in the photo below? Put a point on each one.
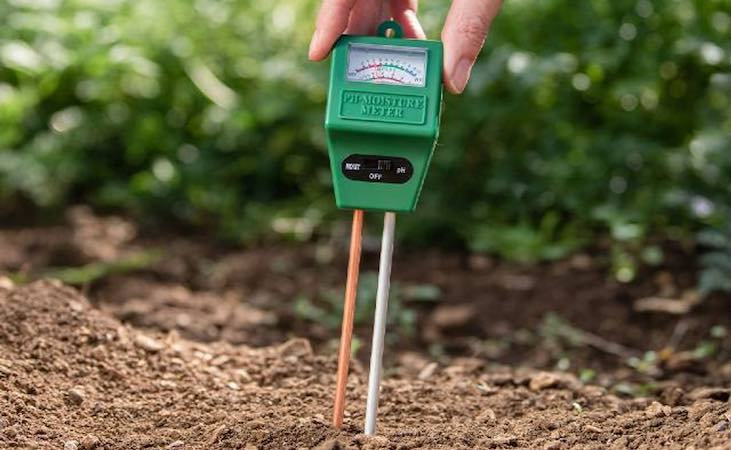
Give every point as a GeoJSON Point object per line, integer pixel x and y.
{"type": "Point", "coordinates": [387, 64]}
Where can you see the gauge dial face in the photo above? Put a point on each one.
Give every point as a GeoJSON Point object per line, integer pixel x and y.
{"type": "Point", "coordinates": [387, 64]}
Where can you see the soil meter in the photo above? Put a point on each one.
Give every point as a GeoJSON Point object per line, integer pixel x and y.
{"type": "Point", "coordinates": [382, 123]}
{"type": "Point", "coordinates": [382, 118]}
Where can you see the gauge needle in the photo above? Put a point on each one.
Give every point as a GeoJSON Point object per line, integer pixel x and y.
{"type": "Point", "coordinates": [346, 337]}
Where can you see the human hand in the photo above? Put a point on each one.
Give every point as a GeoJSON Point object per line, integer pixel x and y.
{"type": "Point", "coordinates": [465, 29]}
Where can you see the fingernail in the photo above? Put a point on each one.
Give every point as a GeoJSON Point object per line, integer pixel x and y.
{"type": "Point", "coordinates": [313, 42]}
{"type": "Point", "coordinates": [461, 74]}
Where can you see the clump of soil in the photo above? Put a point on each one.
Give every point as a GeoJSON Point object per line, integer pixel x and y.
{"type": "Point", "coordinates": [74, 377]}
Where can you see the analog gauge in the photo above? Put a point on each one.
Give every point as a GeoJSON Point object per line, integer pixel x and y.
{"type": "Point", "coordinates": [387, 64]}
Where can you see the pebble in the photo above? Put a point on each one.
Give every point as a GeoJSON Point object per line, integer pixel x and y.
{"type": "Point", "coordinates": [507, 440]}
{"type": "Point", "coordinates": [722, 426]}
{"type": "Point", "coordinates": [657, 409]}
{"type": "Point", "coordinates": [296, 347]}
{"type": "Point", "coordinates": [76, 306]}
{"type": "Point", "coordinates": [220, 360]}
{"type": "Point", "coordinates": [175, 444]}
{"type": "Point", "coordinates": [90, 442]}
{"type": "Point", "coordinates": [453, 316]}
{"type": "Point", "coordinates": [543, 380]}
{"type": "Point", "coordinates": [428, 371]}
{"type": "Point", "coordinates": [76, 396]}
{"type": "Point", "coordinates": [242, 375]}
{"type": "Point", "coordinates": [480, 262]}
{"type": "Point", "coordinates": [71, 445]}
{"type": "Point", "coordinates": [5, 370]}
{"type": "Point", "coordinates": [593, 428]}
{"type": "Point", "coordinates": [487, 416]}
{"type": "Point", "coordinates": [147, 343]}
{"type": "Point", "coordinates": [6, 283]}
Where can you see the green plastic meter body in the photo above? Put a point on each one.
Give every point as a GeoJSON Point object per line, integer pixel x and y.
{"type": "Point", "coordinates": [382, 119]}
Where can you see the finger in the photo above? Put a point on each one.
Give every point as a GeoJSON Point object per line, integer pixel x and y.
{"type": "Point", "coordinates": [365, 17]}
{"type": "Point", "coordinates": [464, 33]}
{"type": "Point", "coordinates": [404, 12]}
{"type": "Point", "coordinates": [331, 22]}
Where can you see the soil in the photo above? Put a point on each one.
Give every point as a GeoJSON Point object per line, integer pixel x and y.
{"type": "Point", "coordinates": [199, 348]}
{"type": "Point", "coordinates": [74, 377]}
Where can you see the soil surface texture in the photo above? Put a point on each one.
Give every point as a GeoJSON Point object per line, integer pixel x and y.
{"type": "Point", "coordinates": [170, 340]}
{"type": "Point", "coordinates": [73, 377]}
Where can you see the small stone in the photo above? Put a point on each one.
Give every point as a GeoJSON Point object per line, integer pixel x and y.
{"type": "Point", "coordinates": [6, 283]}
{"type": "Point", "coordinates": [296, 347]}
{"type": "Point", "coordinates": [505, 441]}
{"type": "Point", "coordinates": [453, 316]}
{"type": "Point", "coordinates": [593, 428]}
{"type": "Point", "coordinates": [76, 396]}
{"type": "Point", "coordinates": [657, 409]}
{"type": "Point", "coordinates": [71, 445]}
{"type": "Point", "coordinates": [672, 396]}
{"type": "Point", "coordinates": [480, 262]}
{"type": "Point", "coordinates": [251, 447]}
{"type": "Point", "coordinates": [722, 426]}
{"type": "Point", "coordinates": [76, 306]}
{"type": "Point", "coordinates": [175, 444]}
{"type": "Point", "coordinates": [487, 416]}
{"type": "Point", "coordinates": [580, 261]}
{"type": "Point", "coordinates": [147, 343]}
{"type": "Point", "coordinates": [167, 384]}
{"type": "Point", "coordinates": [543, 380]}
{"type": "Point", "coordinates": [5, 370]}
{"type": "Point", "coordinates": [428, 371]}
{"type": "Point", "coordinates": [219, 360]}
{"type": "Point", "coordinates": [486, 389]}
{"type": "Point", "coordinates": [90, 442]}
{"type": "Point", "coordinates": [242, 375]}
{"type": "Point", "coordinates": [555, 445]}
{"type": "Point", "coordinates": [233, 386]}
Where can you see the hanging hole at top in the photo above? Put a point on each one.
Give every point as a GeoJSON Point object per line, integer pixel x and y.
{"type": "Point", "coordinates": [390, 29]}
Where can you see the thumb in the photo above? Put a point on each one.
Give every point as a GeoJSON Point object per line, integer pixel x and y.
{"type": "Point", "coordinates": [463, 36]}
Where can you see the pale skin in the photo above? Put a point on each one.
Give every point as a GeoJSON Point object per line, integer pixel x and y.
{"type": "Point", "coordinates": [463, 35]}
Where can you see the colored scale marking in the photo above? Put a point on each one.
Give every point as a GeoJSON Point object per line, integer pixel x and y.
{"type": "Point", "coordinates": [381, 66]}
{"type": "Point", "coordinates": [392, 66]}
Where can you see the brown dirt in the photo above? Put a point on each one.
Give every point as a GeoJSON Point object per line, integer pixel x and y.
{"type": "Point", "coordinates": [501, 313]}
{"type": "Point", "coordinates": [71, 376]}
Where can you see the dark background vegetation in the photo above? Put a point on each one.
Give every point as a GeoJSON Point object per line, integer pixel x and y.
{"type": "Point", "coordinates": [585, 121]}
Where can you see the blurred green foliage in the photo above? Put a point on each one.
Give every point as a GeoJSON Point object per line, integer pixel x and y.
{"type": "Point", "coordinates": [327, 308]}
{"type": "Point", "coordinates": [715, 275]}
{"type": "Point", "coordinates": [599, 117]}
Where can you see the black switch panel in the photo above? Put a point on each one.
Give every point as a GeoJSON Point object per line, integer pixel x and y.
{"type": "Point", "coordinates": [377, 169]}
